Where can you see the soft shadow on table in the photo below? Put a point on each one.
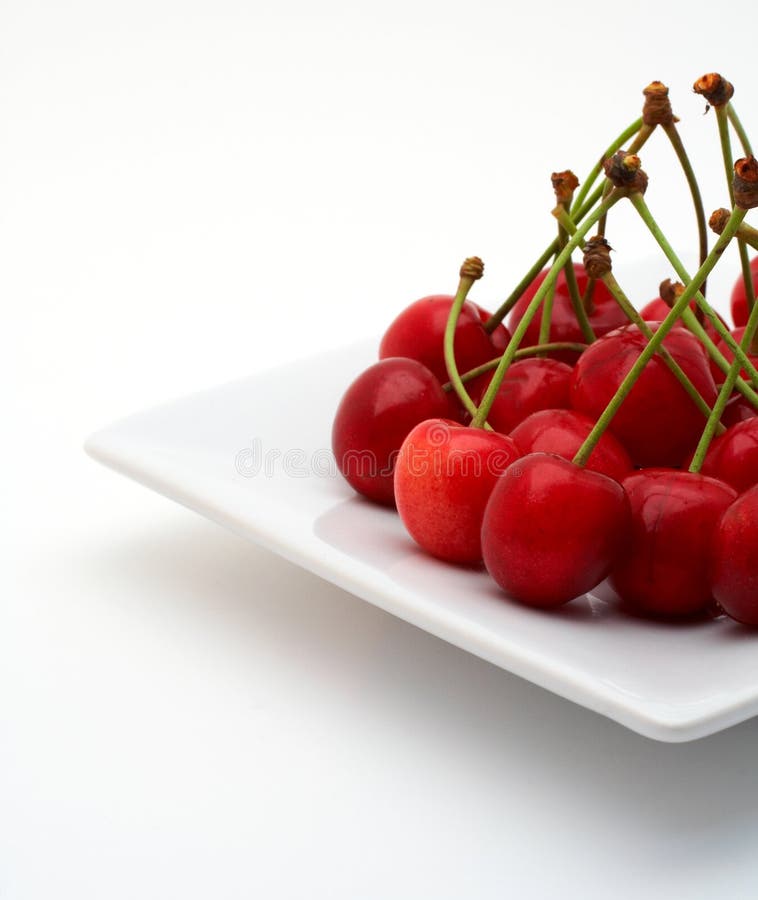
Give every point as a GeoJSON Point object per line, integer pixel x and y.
{"type": "Point", "coordinates": [414, 681]}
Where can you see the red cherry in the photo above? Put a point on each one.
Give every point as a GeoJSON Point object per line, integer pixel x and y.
{"type": "Point", "coordinates": [443, 479]}
{"type": "Point", "coordinates": [734, 572]}
{"type": "Point", "coordinates": [664, 568]}
{"type": "Point", "coordinates": [658, 309]}
{"type": "Point", "coordinates": [739, 297]}
{"type": "Point", "coordinates": [737, 334]}
{"type": "Point", "coordinates": [551, 530]}
{"type": "Point", "coordinates": [733, 457]}
{"type": "Point", "coordinates": [605, 316]}
{"type": "Point", "coordinates": [375, 415]}
{"type": "Point", "coordinates": [563, 431]}
{"type": "Point", "coordinates": [657, 422]}
{"type": "Point", "coordinates": [418, 332]}
{"type": "Point", "coordinates": [738, 409]}
{"type": "Point", "coordinates": [529, 385]}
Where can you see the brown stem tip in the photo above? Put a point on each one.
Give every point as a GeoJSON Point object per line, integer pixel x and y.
{"type": "Point", "coordinates": [624, 171]}
{"type": "Point", "coordinates": [745, 183]}
{"type": "Point", "coordinates": [597, 257]}
{"type": "Point", "coordinates": [657, 107]}
{"type": "Point", "coordinates": [670, 291]}
{"type": "Point", "coordinates": [564, 185]}
{"type": "Point", "coordinates": [472, 268]}
{"type": "Point", "coordinates": [718, 220]}
{"type": "Point", "coordinates": [715, 88]}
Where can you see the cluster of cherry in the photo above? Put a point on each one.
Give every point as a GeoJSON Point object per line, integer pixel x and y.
{"type": "Point", "coordinates": [587, 439]}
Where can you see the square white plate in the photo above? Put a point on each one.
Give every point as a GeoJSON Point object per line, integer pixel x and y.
{"type": "Point", "coordinates": [254, 456]}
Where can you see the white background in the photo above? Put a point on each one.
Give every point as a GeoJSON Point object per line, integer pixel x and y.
{"type": "Point", "coordinates": [190, 192]}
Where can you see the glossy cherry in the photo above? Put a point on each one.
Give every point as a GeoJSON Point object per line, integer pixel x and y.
{"type": "Point", "coordinates": [658, 309]}
{"type": "Point", "coordinates": [738, 409]}
{"type": "Point", "coordinates": [657, 422]}
{"type": "Point", "coordinates": [739, 297]}
{"type": "Point", "coordinates": [529, 385]}
{"type": "Point", "coordinates": [374, 417]}
{"type": "Point", "coordinates": [417, 333]}
{"type": "Point", "coordinates": [552, 531]}
{"type": "Point", "coordinates": [664, 568]}
{"type": "Point", "coordinates": [737, 334]}
{"type": "Point", "coordinates": [733, 457]}
{"type": "Point", "coordinates": [604, 317]}
{"type": "Point", "coordinates": [734, 571]}
{"type": "Point", "coordinates": [443, 478]}
{"type": "Point", "coordinates": [563, 431]}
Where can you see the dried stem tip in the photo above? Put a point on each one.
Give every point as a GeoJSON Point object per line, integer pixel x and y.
{"type": "Point", "coordinates": [716, 89]}
{"type": "Point", "coordinates": [472, 268]}
{"type": "Point", "coordinates": [670, 291]}
{"type": "Point", "coordinates": [623, 171]}
{"type": "Point", "coordinates": [718, 220]}
{"type": "Point", "coordinates": [745, 183]}
{"type": "Point", "coordinates": [564, 185]}
{"type": "Point", "coordinates": [657, 107]}
{"type": "Point", "coordinates": [597, 257]}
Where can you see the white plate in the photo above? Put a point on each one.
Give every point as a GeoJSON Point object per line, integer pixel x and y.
{"type": "Point", "coordinates": [254, 456]}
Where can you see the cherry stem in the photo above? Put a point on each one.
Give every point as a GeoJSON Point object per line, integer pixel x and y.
{"type": "Point", "coordinates": [606, 417]}
{"type": "Point", "coordinates": [580, 208]}
{"type": "Point", "coordinates": [523, 353]}
{"type": "Point", "coordinates": [507, 305]}
{"type": "Point", "coordinates": [672, 132]}
{"type": "Point", "coordinates": [577, 301]}
{"type": "Point", "coordinates": [467, 279]}
{"type": "Point", "coordinates": [609, 280]}
{"type": "Point", "coordinates": [534, 304]}
{"type": "Point", "coordinates": [593, 176]}
{"type": "Point", "coordinates": [751, 329]}
{"type": "Point", "coordinates": [739, 128]}
{"type": "Point", "coordinates": [722, 117]}
{"type": "Point", "coordinates": [723, 332]}
{"type": "Point", "coordinates": [637, 144]}
{"type": "Point", "coordinates": [547, 307]}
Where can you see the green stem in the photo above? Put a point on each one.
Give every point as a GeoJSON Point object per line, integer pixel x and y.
{"type": "Point", "coordinates": [673, 135]}
{"type": "Point", "coordinates": [578, 303]}
{"type": "Point", "coordinates": [522, 353]}
{"type": "Point", "coordinates": [580, 208]}
{"type": "Point", "coordinates": [585, 451]}
{"type": "Point", "coordinates": [681, 376]}
{"type": "Point", "coordinates": [547, 307]}
{"type": "Point", "coordinates": [723, 332]}
{"type": "Point", "coordinates": [738, 127]}
{"type": "Point", "coordinates": [690, 321]}
{"type": "Point", "coordinates": [497, 317]}
{"type": "Point", "coordinates": [464, 286]}
{"type": "Point", "coordinates": [722, 117]}
{"type": "Point", "coordinates": [637, 144]}
{"type": "Point", "coordinates": [751, 329]}
{"type": "Point", "coordinates": [534, 305]}
{"type": "Point", "coordinates": [748, 235]}
{"type": "Point", "coordinates": [598, 168]}
{"type": "Point", "coordinates": [631, 313]}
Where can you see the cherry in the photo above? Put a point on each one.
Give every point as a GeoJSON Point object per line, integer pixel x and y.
{"type": "Point", "coordinates": [375, 415]}
{"type": "Point", "coordinates": [563, 431]}
{"type": "Point", "coordinates": [658, 309]}
{"type": "Point", "coordinates": [739, 297]}
{"type": "Point", "coordinates": [529, 385]}
{"type": "Point", "coordinates": [664, 568]}
{"type": "Point", "coordinates": [738, 409]}
{"type": "Point", "coordinates": [737, 334]}
{"type": "Point", "coordinates": [657, 422]}
{"type": "Point", "coordinates": [733, 457]}
{"type": "Point", "coordinates": [443, 478]}
{"type": "Point", "coordinates": [734, 572]}
{"type": "Point", "coordinates": [418, 332]}
{"type": "Point", "coordinates": [604, 317]}
{"type": "Point", "coordinates": [552, 531]}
